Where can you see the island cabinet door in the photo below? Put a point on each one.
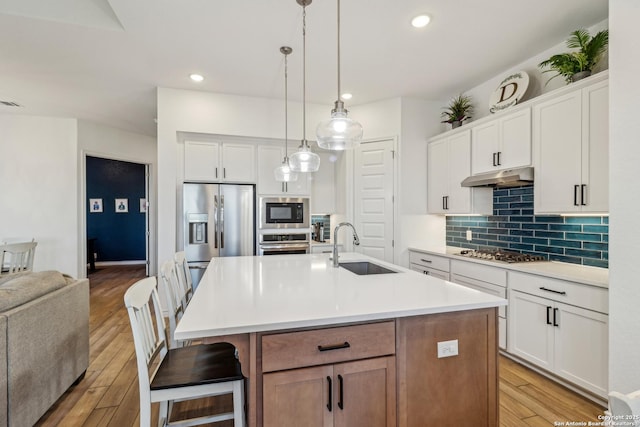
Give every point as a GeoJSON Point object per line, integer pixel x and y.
{"type": "Point", "coordinates": [299, 397]}
{"type": "Point", "coordinates": [365, 393]}
{"type": "Point", "coordinates": [458, 390]}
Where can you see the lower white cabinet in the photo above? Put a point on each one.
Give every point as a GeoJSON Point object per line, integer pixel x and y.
{"type": "Point", "coordinates": [324, 248]}
{"type": "Point", "coordinates": [428, 264]}
{"type": "Point", "coordinates": [566, 340]}
{"type": "Point", "coordinates": [487, 279]}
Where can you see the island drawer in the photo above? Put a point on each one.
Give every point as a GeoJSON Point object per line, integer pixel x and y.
{"type": "Point", "coordinates": [329, 345]}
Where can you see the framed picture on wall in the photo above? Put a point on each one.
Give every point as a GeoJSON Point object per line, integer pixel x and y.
{"type": "Point", "coordinates": [95, 205]}
{"type": "Point", "coordinates": [122, 205]}
{"type": "Point", "coordinates": [143, 205]}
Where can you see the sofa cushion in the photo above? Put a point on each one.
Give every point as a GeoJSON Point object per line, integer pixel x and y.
{"type": "Point", "coordinates": [24, 287]}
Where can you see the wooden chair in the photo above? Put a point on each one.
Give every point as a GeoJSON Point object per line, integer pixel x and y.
{"type": "Point", "coordinates": [20, 256]}
{"type": "Point", "coordinates": [183, 373]}
{"type": "Point", "coordinates": [183, 274]}
{"type": "Point", "coordinates": [176, 297]}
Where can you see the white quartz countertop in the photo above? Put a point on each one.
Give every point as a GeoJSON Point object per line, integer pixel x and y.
{"type": "Point", "coordinates": [254, 294]}
{"type": "Point", "coordinates": [593, 276]}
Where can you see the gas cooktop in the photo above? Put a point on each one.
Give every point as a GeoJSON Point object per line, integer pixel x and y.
{"type": "Point", "coordinates": [494, 254]}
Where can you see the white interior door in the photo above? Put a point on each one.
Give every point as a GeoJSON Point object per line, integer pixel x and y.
{"type": "Point", "coordinates": [373, 198]}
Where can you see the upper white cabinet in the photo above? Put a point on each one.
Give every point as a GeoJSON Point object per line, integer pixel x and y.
{"type": "Point", "coordinates": [571, 151]}
{"type": "Point", "coordinates": [323, 184]}
{"type": "Point", "coordinates": [503, 143]}
{"type": "Point", "coordinates": [269, 158]}
{"type": "Point", "coordinates": [219, 162]}
{"type": "Point", "coordinates": [448, 163]}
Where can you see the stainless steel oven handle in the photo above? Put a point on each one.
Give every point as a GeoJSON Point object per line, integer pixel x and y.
{"type": "Point", "coordinates": [266, 247]}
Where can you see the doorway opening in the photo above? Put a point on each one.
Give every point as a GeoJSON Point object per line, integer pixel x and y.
{"type": "Point", "coordinates": [117, 218]}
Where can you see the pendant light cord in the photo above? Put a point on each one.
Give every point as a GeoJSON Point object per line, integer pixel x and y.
{"type": "Point", "coordinates": [286, 110]}
{"type": "Point", "coordinates": [304, 75]}
{"type": "Point", "coordinates": [338, 50]}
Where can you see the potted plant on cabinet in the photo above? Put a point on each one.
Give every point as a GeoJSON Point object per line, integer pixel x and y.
{"type": "Point", "coordinates": [578, 64]}
{"type": "Point", "coordinates": [458, 110]}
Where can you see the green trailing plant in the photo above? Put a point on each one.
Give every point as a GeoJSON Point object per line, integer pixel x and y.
{"type": "Point", "coordinates": [589, 53]}
{"type": "Point", "coordinates": [458, 109]}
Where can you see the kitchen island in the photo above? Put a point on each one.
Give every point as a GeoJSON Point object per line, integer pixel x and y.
{"type": "Point", "coordinates": [330, 347]}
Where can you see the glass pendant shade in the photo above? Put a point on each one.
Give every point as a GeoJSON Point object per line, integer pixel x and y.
{"type": "Point", "coordinates": [339, 132]}
{"type": "Point", "coordinates": [304, 160]}
{"type": "Point", "coordinates": [283, 173]}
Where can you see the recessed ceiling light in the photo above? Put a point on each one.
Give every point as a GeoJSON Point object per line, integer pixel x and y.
{"type": "Point", "coordinates": [196, 77]}
{"type": "Point", "coordinates": [346, 96]}
{"type": "Point", "coordinates": [421, 21]}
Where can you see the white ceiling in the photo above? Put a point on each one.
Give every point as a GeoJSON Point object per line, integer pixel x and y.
{"type": "Point", "coordinates": [101, 60]}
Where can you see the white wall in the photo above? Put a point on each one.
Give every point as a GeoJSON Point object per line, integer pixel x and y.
{"type": "Point", "coordinates": [412, 121]}
{"type": "Point", "coordinates": [38, 171]}
{"type": "Point", "coordinates": [624, 234]}
{"type": "Point", "coordinates": [215, 114]}
{"type": "Point", "coordinates": [537, 80]}
{"type": "Point", "coordinates": [111, 143]}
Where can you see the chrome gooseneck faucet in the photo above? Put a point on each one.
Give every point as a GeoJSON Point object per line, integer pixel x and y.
{"type": "Point", "coordinates": [356, 240]}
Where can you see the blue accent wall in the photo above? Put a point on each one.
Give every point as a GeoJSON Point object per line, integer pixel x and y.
{"type": "Point", "coordinates": [513, 226]}
{"type": "Point", "coordinates": [120, 236]}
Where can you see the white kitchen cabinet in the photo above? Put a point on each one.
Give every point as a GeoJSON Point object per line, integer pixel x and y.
{"type": "Point", "coordinates": [487, 279]}
{"type": "Point", "coordinates": [503, 143]}
{"type": "Point", "coordinates": [571, 151]}
{"type": "Point", "coordinates": [448, 163]}
{"type": "Point", "coordinates": [324, 248]}
{"type": "Point", "coordinates": [269, 158]}
{"type": "Point", "coordinates": [548, 329]}
{"type": "Point", "coordinates": [206, 161]}
{"type": "Point", "coordinates": [323, 184]}
{"type": "Point", "coordinates": [429, 264]}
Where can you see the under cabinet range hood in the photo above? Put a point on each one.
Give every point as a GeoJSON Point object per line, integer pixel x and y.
{"type": "Point", "coordinates": [504, 178]}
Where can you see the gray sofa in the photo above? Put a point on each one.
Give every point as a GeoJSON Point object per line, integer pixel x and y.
{"type": "Point", "coordinates": [44, 342]}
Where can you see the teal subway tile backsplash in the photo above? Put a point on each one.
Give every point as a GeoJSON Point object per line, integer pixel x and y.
{"type": "Point", "coordinates": [579, 240]}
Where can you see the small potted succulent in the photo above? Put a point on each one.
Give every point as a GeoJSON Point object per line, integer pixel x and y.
{"type": "Point", "coordinates": [578, 64]}
{"type": "Point", "coordinates": [458, 110]}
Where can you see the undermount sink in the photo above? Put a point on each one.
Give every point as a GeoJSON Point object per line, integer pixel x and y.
{"type": "Point", "coordinates": [365, 267]}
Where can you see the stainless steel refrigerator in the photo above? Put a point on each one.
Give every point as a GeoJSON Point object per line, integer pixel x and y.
{"type": "Point", "coordinates": [218, 220]}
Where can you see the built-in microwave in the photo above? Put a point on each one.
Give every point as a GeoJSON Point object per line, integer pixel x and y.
{"type": "Point", "coordinates": [284, 212]}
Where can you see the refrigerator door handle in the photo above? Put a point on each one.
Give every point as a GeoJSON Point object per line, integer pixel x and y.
{"type": "Point", "coordinates": [215, 222]}
{"type": "Point", "coordinates": [221, 221]}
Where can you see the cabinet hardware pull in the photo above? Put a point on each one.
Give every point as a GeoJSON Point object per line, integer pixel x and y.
{"type": "Point", "coordinates": [334, 347]}
{"type": "Point", "coordinates": [575, 195]}
{"type": "Point", "coordinates": [224, 172]}
{"type": "Point", "coordinates": [329, 402]}
{"type": "Point", "coordinates": [446, 198]}
{"type": "Point", "coordinates": [555, 317]}
{"type": "Point", "coordinates": [548, 315]}
{"type": "Point", "coordinates": [542, 288]}
{"type": "Point", "coordinates": [216, 172]}
{"type": "Point", "coordinates": [494, 159]}
{"type": "Point", "coordinates": [499, 162]}
{"type": "Point", "coordinates": [426, 260]}
{"type": "Point", "coordinates": [426, 272]}
{"type": "Point", "coordinates": [341, 387]}
{"type": "Point", "coordinates": [582, 194]}
{"type": "Point", "coordinates": [443, 205]}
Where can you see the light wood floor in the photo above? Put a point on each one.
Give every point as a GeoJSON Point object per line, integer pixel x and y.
{"type": "Point", "coordinates": [108, 395]}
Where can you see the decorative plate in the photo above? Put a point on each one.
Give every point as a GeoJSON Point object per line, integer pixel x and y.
{"type": "Point", "coordinates": [509, 92]}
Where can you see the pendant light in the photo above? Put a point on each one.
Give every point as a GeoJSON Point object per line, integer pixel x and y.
{"type": "Point", "coordinates": [304, 160]}
{"type": "Point", "coordinates": [283, 172]}
{"type": "Point", "coordinates": [339, 132]}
